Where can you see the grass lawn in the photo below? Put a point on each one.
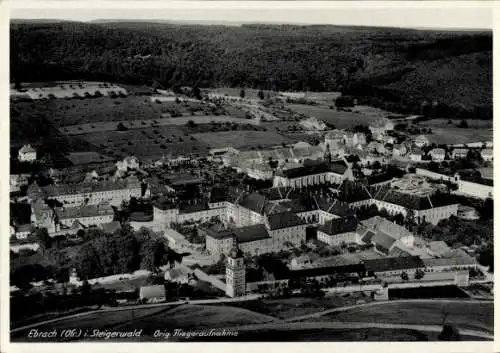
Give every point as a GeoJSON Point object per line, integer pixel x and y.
{"type": "Point", "coordinates": [471, 315]}
{"type": "Point", "coordinates": [239, 139]}
{"type": "Point", "coordinates": [443, 123]}
{"type": "Point", "coordinates": [326, 334]}
{"type": "Point", "coordinates": [341, 120]}
{"type": "Point", "coordinates": [298, 306]}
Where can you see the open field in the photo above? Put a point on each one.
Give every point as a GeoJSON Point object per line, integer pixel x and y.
{"type": "Point", "coordinates": [240, 139]}
{"type": "Point", "coordinates": [141, 124]}
{"type": "Point", "coordinates": [152, 142]}
{"type": "Point", "coordinates": [328, 334]}
{"type": "Point", "coordinates": [150, 319]}
{"type": "Point", "coordinates": [341, 120]}
{"type": "Point", "coordinates": [443, 123]}
{"type": "Point", "coordinates": [455, 135]}
{"type": "Point", "coordinates": [285, 308]}
{"type": "Point", "coordinates": [470, 315]}
{"type": "Point", "coordinates": [67, 112]}
{"type": "Point", "coordinates": [78, 158]}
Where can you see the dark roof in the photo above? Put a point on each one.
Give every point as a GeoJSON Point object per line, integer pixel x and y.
{"type": "Point", "coordinates": [277, 193]}
{"type": "Point", "coordinates": [338, 167]}
{"type": "Point", "coordinates": [334, 206]}
{"type": "Point", "coordinates": [223, 234]}
{"type": "Point", "coordinates": [324, 271]}
{"type": "Point", "coordinates": [398, 252]}
{"type": "Point", "coordinates": [368, 236]}
{"type": "Point", "coordinates": [284, 220]}
{"type": "Point", "coordinates": [111, 227]}
{"type": "Point", "coordinates": [186, 208]}
{"type": "Point", "coordinates": [415, 202]}
{"type": "Point", "coordinates": [304, 171]}
{"type": "Point", "coordinates": [251, 233]}
{"type": "Point", "coordinates": [383, 241]}
{"type": "Point", "coordinates": [393, 263]}
{"type": "Point", "coordinates": [301, 204]}
{"type": "Point", "coordinates": [254, 202]}
{"type": "Point", "coordinates": [340, 225]}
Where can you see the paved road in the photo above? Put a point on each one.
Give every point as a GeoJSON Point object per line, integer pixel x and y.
{"type": "Point", "coordinates": [353, 325]}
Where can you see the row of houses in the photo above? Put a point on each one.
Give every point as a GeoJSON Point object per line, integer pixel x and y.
{"type": "Point", "coordinates": [113, 191]}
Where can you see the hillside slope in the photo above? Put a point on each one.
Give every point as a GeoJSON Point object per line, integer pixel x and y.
{"type": "Point", "coordinates": [394, 65]}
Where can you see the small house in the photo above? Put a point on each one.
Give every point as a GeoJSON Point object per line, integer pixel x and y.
{"type": "Point", "coordinates": [152, 294]}
{"type": "Point", "coordinates": [27, 154]}
{"type": "Point", "coordinates": [437, 154]}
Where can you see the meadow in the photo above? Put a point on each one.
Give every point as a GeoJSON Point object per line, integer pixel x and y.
{"type": "Point", "coordinates": [341, 119]}
{"type": "Point", "coordinates": [242, 139]}
{"type": "Point", "coordinates": [463, 314]}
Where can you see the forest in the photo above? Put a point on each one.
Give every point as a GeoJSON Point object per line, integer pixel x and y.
{"type": "Point", "coordinates": [399, 69]}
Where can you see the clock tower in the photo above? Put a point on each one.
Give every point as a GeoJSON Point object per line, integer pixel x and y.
{"type": "Point", "coordinates": [235, 273]}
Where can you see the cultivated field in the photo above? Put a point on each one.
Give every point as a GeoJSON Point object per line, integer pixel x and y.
{"type": "Point", "coordinates": [455, 135]}
{"type": "Point", "coordinates": [78, 158]}
{"type": "Point", "coordinates": [341, 120]}
{"type": "Point", "coordinates": [470, 315]}
{"type": "Point", "coordinates": [150, 142]}
{"type": "Point", "coordinates": [152, 123]}
{"type": "Point", "coordinates": [238, 139]}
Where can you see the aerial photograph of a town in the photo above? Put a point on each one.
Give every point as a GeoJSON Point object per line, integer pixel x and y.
{"type": "Point", "coordinates": [249, 180]}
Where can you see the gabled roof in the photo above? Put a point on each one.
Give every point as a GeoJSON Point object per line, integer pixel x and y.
{"type": "Point", "coordinates": [254, 202]}
{"type": "Point", "coordinates": [284, 220]}
{"type": "Point", "coordinates": [415, 202]}
{"type": "Point", "coordinates": [450, 261]}
{"type": "Point", "coordinates": [437, 151]}
{"type": "Point", "coordinates": [383, 241]}
{"type": "Point", "coordinates": [27, 149]}
{"type": "Point", "coordinates": [250, 233]}
{"type": "Point", "coordinates": [340, 225]}
{"type": "Point", "coordinates": [111, 227]}
{"type": "Point", "coordinates": [381, 224]}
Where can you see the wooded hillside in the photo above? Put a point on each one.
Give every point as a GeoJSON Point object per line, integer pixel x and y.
{"type": "Point", "coordinates": [392, 68]}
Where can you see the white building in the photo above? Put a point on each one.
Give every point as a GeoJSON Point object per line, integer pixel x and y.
{"type": "Point", "coordinates": [459, 153]}
{"type": "Point", "coordinates": [335, 173]}
{"type": "Point", "coordinates": [27, 154]}
{"type": "Point", "coordinates": [437, 154]}
{"type": "Point", "coordinates": [339, 231]}
{"type": "Point", "coordinates": [92, 193]}
{"type": "Point", "coordinates": [416, 155]}
{"type": "Point", "coordinates": [381, 126]}
{"type": "Point", "coordinates": [487, 154]}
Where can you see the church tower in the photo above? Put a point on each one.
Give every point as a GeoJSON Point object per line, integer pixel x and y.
{"type": "Point", "coordinates": [235, 273]}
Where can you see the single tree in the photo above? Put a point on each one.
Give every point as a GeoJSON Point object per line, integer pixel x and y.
{"type": "Point", "coordinates": [242, 93]}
